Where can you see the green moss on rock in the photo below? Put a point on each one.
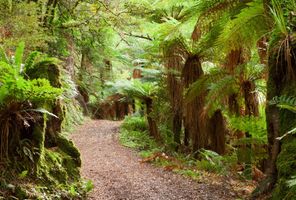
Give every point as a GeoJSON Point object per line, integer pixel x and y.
{"type": "Point", "coordinates": [286, 165]}
{"type": "Point", "coordinates": [68, 147]}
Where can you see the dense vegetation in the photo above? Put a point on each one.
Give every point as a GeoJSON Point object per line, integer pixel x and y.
{"type": "Point", "coordinates": [209, 85]}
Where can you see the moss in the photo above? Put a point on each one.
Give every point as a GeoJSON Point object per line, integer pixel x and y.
{"type": "Point", "coordinates": [59, 168]}
{"type": "Point", "coordinates": [68, 147]}
{"type": "Point", "coordinates": [50, 72]}
{"type": "Point", "coordinates": [38, 141]}
{"type": "Point", "coordinates": [39, 135]}
{"type": "Point", "coordinates": [286, 165]}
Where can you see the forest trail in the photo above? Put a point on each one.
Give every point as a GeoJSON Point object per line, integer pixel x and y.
{"type": "Point", "coordinates": [117, 172]}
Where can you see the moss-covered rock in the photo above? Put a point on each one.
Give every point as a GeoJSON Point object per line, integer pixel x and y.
{"type": "Point", "coordinates": [68, 147]}
{"type": "Point", "coordinates": [286, 165]}
{"type": "Point", "coordinates": [47, 70]}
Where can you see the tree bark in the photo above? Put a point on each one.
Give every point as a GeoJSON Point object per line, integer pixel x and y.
{"type": "Point", "coordinates": [174, 55]}
{"type": "Point", "coordinates": [194, 123]}
{"type": "Point", "coordinates": [281, 82]}
{"type": "Point", "coordinates": [251, 99]}
{"type": "Point", "coordinates": [153, 130]}
{"type": "Point", "coordinates": [217, 131]}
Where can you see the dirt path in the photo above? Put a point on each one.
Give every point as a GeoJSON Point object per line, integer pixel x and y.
{"type": "Point", "coordinates": [117, 173]}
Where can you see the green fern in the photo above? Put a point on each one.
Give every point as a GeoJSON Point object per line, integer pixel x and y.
{"type": "Point", "coordinates": [3, 56]}
{"type": "Point", "coordinates": [255, 126]}
{"type": "Point", "coordinates": [284, 102]}
{"type": "Point", "coordinates": [18, 57]}
{"type": "Point", "coordinates": [247, 27]}
{"type": "Point", "coordinates": [31, 59]}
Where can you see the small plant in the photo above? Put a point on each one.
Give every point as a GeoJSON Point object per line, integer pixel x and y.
{"type": "Point", "coordinates": [134, 124]}
{"type": "Point", "coordinates": [211, 161]}
{"type": "Point", "coordinates": [194, 174]}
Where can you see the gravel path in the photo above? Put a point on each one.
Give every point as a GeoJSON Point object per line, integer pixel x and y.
{"type": "Point", "coordinates": [117, 173]}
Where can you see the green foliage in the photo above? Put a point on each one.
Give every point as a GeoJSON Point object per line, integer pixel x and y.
{"type": "Point", "coordinates": [134, 134]}
{"type": "Point", "coordinates": [138, 89]}
{"type": "Point", "coordinates": [134, 124]}
{"type": "Point", "coordinates": [20, 21]}
{"type": "Point", "coordinates": [287, 103]}
{"type": "Point", "coordinates": [247, 27]}
{"type": "Point", "coordinates": [284, 102]}
{"type": "Point", "coordinates": [218, 84]}
{"type": "Point", "coordinates": [15, 87]}
{"type": "Point", "coordinates": [285, 188]}
{"type": "Point", "coordinates": [25, 103]}
{"type": "Point", "coordinates": [20, 99]}
{"type": "Point", "coordinates": [194, 174]}
{"type": "Point", "coordinates": [210, 161]}
{"type": "Point", "coordinates": [255, 126]}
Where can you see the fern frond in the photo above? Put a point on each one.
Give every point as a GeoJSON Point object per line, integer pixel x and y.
{"type": "Point", "coordinates": [246, 28]}
{"type": "Point", "coordinates": [3, 56]}
{"type": "Point", "coordinates": [221, 89]}
{"type": "Point", "coordinates": [284, 102]}
{"type": "Point", "coordinates": [204, 82]}
{"type": "Point", "coordinates": [211, 11]}
{"type": "Point", "coordinates": [18, 57]}
{"type": "Point", "coordinates": [31, 59]}
{"type": "Point", "coordinates": [256, 126]}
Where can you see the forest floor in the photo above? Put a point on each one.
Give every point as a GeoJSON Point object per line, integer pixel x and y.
{"type": "Point", "coordinates": [118, 173]}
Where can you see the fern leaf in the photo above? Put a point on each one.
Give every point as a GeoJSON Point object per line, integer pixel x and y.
{"type": "Point", "coordinates": [284, 102]}
{"type": "Point", "coordinates": [19, 55]}
{"type": "Point", "coordinates": [41, 110]}
{"type": "Point", "coordinates": [247, 27]}
{"type": "Point", "coordinates": [31, 59]}
{"type": "Point", "coordinates": [3, 56]}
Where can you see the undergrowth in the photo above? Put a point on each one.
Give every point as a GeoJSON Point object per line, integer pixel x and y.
{"type": "Point", "coordinates": [36, 160]}
{"type": "Point", "coordinates": [134, 134]}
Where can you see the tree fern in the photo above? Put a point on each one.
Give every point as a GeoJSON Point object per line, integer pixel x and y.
{"type": "Point", "coordinates": [203, 83]}
{"type": "Point", "coordinates": [211, 11]}
{"type": "Point", "coordinates": [247, 27]}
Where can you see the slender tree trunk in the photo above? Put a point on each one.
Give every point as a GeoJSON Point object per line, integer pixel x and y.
{"type": "Point", "coordinates": [262, 50]}
{"type": "Point", "coordinates": [251, 109]}
{"type": "Point", "coordinates": [70, 60]}
{"type": "Point", "coordinates": [153, 130]}
{"type": "Point", "coordinates": [251, 99]}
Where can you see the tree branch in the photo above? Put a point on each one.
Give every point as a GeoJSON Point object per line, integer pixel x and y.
{"type": "Point", "coordinates": [139, 36]}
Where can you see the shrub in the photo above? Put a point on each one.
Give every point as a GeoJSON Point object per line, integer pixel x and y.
{"type": "Point", "coordinates": [134, 123]}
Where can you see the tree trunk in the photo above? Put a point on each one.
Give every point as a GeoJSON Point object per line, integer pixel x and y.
{"type": "Point", "coordinates": [217, 131]}
{"type": "Point", "coordinates": [153, 130]}
{"type": "Point", "coordinates": [234, 59]}
{"type": "Point", "coordinates": [282, 160]}
{"type": "Point", "coordinates": [251, 99]}
{"type": "Point", "coordinates": [194, 123]}
{"type": "Point", "coordinates": [262, 50]}
{"type": "Point", "coordinates": [174, 55]}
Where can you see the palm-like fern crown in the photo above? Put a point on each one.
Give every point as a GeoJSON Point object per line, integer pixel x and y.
{"type": "Point", "coordinates": [219, 83]}
{"type": "Point", "coordinates": [134, 89]}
